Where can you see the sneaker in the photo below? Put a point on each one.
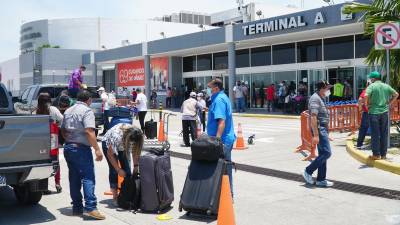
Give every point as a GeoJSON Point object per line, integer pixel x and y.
{"type": "Point", "coordinates": [95, 214]}
{"type": "Point", "coordinates": [324, 183]}
{"type": "Point", "coordinates": [308, 178]}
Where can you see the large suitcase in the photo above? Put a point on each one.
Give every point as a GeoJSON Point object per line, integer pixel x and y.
{"type": "Point", "coordinates": [150, 129]}
{"type": "Point", "coordinates": [156, 182]}
{"type": "Point", "coordinates": [202, 187]}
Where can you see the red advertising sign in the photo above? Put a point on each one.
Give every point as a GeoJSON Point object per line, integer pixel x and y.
{"type": "Point", "coordinates": [131, 73]}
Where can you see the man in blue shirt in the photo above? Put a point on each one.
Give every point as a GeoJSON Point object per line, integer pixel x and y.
{"type": "Point", "coordinates": [220, 122]}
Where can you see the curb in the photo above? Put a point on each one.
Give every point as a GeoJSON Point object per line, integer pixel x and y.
{"type": "Point", "coordinates": [363, 158]}
{"type": "Point", "coordinates": [266, 116]}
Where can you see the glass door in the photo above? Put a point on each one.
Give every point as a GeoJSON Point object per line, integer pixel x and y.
{"type": "Point", "coordinates": [314, 77]}
{"type": "Point", "coordinates": [342, 80]}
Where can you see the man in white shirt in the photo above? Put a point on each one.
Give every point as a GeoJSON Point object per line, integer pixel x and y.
{"type": "Point", "coordinates": [239, 97]}
{"type": "Point", "coordinates": [141, 105]}
{"type": "Point", "coordinates": [106, 108]}
{"type": "Point", "coordinates": [189, 110]}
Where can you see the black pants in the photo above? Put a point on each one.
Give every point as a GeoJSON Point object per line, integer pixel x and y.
{"type": "Point", "coordinates": [142, 115]}
{"type": "Point", "coordinates": [203, 120]}
{"type": "Point", "coordinates": [188, 126]}
{"type": "Point", "coordinates": [169, 102]}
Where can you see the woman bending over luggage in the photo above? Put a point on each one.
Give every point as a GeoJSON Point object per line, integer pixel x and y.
{"type": "Point", "coordinates": [118, 143]}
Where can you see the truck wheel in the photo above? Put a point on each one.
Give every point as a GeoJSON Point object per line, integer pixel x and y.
{"type": "Point", "coordinates": [27, 197]}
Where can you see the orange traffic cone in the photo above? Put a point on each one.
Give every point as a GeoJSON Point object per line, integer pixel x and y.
{"type": "Point", "coordinates": [161, 134]}
{"type": "Point", "coordinates": [240, 140]}
{"type": "Point", "coordinates": [226, 215]}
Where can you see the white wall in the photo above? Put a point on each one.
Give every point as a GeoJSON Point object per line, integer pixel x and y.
{"type": "Point", "coordinates": [10, 75]}
{"type": "Point", "coordinates": [93, 33]}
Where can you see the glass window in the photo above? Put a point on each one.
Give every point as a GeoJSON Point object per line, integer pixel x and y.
{"type": "Point", "coordinates": [204, 62]}
{"type": "Point", "coordinates": [338, 48]}
{"type": "Point", "coordinates": [189, 64]}
{"type": "Point", "coordinates": [24, 95]}
{"type": "Point", "coordinates": [309, 51]}
{"type": "Point", "coordinates": [289, 77]}
{"type": "Point", "coordinates": [259, 85]}
{"type": "Point", "coordinates": [302, 83]}
{"type": "Point", "coordinates": [30, 95]}
{"type": "Point", "coordinates": [220, 60]}
{"type": "Point", "coordinates": [283, 54]}
{"type": "Point", "coordinates": [315, 76]}
{"type": "Point", "coordinates": [242, 58]}
{"type": "Point", "coordinates": [261, 56]}
{"type": "Point", "coordinates": [361, 78]}
{"type": "Point", "coordinates": [363, 46]}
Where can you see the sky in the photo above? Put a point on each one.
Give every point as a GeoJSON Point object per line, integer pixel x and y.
{"type": "Point", "coordinates": [13, 13]}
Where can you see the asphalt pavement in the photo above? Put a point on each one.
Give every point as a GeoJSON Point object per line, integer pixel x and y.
{"type": "Point", "coordinates": [260, 198]}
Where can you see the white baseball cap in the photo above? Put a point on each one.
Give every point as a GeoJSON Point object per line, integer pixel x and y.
{"type": "Point", "coordinates": [193, 94]}
{"type": "Point", "coordinates": [101, 89]}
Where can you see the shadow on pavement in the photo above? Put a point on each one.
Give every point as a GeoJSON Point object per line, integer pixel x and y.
{"type": "Point", "coordinates": [198, 218]}
{"type": "Point", "coordinates": [13, 213]}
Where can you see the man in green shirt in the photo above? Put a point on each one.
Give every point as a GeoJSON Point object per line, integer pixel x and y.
{"type": "Point", "coordinates": [379, 96]}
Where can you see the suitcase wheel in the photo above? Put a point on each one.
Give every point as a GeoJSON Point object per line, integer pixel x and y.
{"type": "Point", "coordinates": [209, 212]}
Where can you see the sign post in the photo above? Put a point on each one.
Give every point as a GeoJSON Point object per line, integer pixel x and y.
{"type": "Point", "coordinates": [387, 36]}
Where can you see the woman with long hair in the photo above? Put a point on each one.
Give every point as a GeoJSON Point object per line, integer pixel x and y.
{"type": "Point", "coordinates": [120, 143]}
{"type": "Point", "coordinates": [44, 107]}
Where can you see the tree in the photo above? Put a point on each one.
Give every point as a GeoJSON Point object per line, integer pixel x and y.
{"type": "Point", "coordinates": [378, 12]}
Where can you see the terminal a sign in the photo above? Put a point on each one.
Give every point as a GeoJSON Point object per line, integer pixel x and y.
{"type": "Point", "coordinates": [280, 24]}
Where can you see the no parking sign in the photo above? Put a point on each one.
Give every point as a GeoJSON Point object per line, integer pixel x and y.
{"type": "Point", "coordinates": [387, 36]}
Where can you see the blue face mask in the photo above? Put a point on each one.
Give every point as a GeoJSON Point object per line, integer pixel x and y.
{"type": "Point", "coordinates": [209, 93]}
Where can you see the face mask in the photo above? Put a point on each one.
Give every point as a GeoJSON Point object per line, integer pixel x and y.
{"type": "Point", "coordinates": [327, 93]}
{"type": "Point", "coordinates": [209, 91]}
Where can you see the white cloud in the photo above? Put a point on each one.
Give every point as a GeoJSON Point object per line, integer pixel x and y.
{"type": "Point", "coordinates": [15, 12]}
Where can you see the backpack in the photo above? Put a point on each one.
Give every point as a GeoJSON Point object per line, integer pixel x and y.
{"type": "Point", "coordinates": [129, 195]}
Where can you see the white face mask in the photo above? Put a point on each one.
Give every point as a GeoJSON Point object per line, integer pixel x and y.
{"type": "Point", "coordinates": [327, 93]}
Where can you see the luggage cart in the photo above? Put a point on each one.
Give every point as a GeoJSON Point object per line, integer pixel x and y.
{"type": "Point", "coordinates": [154, 143]}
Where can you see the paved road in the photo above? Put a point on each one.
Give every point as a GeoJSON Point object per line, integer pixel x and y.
{"type": "Point", "coordinates": [259, 199]}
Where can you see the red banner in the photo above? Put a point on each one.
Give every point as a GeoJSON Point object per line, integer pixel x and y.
{"type": "Point", "coordinates": [131, 73]}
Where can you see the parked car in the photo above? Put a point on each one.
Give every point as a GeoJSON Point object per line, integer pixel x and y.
{"type": "Point", "coordinates": [25, 151]}
{"type": "Point", "coordinates": [27, 102]}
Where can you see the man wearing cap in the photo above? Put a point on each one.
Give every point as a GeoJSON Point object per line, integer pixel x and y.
{"type": "Point", "coordinates": [319, 121]}
{"type": "Point", "coordinates": [76, 82]}
{"type": "Point", "coordinates": [106, 108]}
{"type": "Point", "coordinates": [378, 97]}
{"type": "Point", "coordinates": [189, 110]}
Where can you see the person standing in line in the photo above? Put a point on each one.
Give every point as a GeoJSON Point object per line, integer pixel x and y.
{"type": "Point", "coordinates": [76, 82]}
{"type": "Point", "coordinates": [153, 99]}
{"type": "Point", "coordinates": [270, 97]}
{"type": "Point", "coordinates": [169, 98]}
{"type": "Point", "coordinates": [189, 110]}
{"type": "Point", "coordinates": [254, 95]}
{"type": "Point", "coordinates": [261, 95]}
{"type": "Point", "coordinates": [44, 107]}
{"type": "Point", "coordinates": [348, 91]}
{"type": "Point", "coordinates": [134, 94]}
{"type": "Point", "coordinates": [379, 97]}
{"type": "Point", "coordinates": [245, 91]}
{"type": "Point", "coordinates": [362, 107]}
{"type": "Point", "coordinates": [319, 124]}
{"type": "Point", "coordinates": [78, 130]}
{"type": "Point", "coordinates": [239, 97]}
{"type": "Point", "coordinates": [220, 121]}
{"type": "Point", "coordinates": [141, 105]}
{"type": "Point", "coordinates": [202, 112]}
{"type": "Point", "coordinates": [106, 108]}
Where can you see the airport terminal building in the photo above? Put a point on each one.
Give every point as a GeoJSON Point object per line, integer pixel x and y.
{"type": "Point", "coordinates": [307, 46]}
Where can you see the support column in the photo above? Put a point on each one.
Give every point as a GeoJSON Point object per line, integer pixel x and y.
{"type": "Point", "coordinates": [231, 70]}
{"type": "Point", "coordinates": [147, 78]}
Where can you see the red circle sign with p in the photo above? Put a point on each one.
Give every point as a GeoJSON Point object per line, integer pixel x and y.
{"type": "Point", "coordinates": [387, 36]}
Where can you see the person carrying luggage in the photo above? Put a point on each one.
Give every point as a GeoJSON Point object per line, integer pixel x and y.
{"type": "Point", "coordinates": [220, 121]}
{"type": "Point", "coordinates": [120, 141]}
{"type": "Point", "coordinates": [189, 110]}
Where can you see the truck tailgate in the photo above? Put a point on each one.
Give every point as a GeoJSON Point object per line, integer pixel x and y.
{"type": "Point", "coordinates": [24, 139]}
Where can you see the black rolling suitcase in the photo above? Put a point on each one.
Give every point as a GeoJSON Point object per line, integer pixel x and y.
{"type": "Point", "coordinates": [150, 128]}
{"type": "Point", "coordinates": [202, 187]}
{"type": "Point", "coordinates": [156, 184]}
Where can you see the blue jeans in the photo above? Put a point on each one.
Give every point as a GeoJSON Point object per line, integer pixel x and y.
{"type": "Point", "coordinates": [112, 173]}
{"type": "Point", "coordinates": [81, 173]}
{"type": "Point", "coordinates": [363, 129]}
{"type": "Point", "coordinates": [228, 156]}
{"type": "Point", "coordinates": [324, 153]}
{"type": "Point", "coordinates": [379, 133]}
{"type": "Point", "coordinates": [106, 121]}
{"type": "Point", "coordinates": [240, 104]}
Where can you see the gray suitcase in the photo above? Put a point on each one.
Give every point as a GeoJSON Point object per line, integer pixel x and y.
{"type": "Point", "coordinates": [157, 189]}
